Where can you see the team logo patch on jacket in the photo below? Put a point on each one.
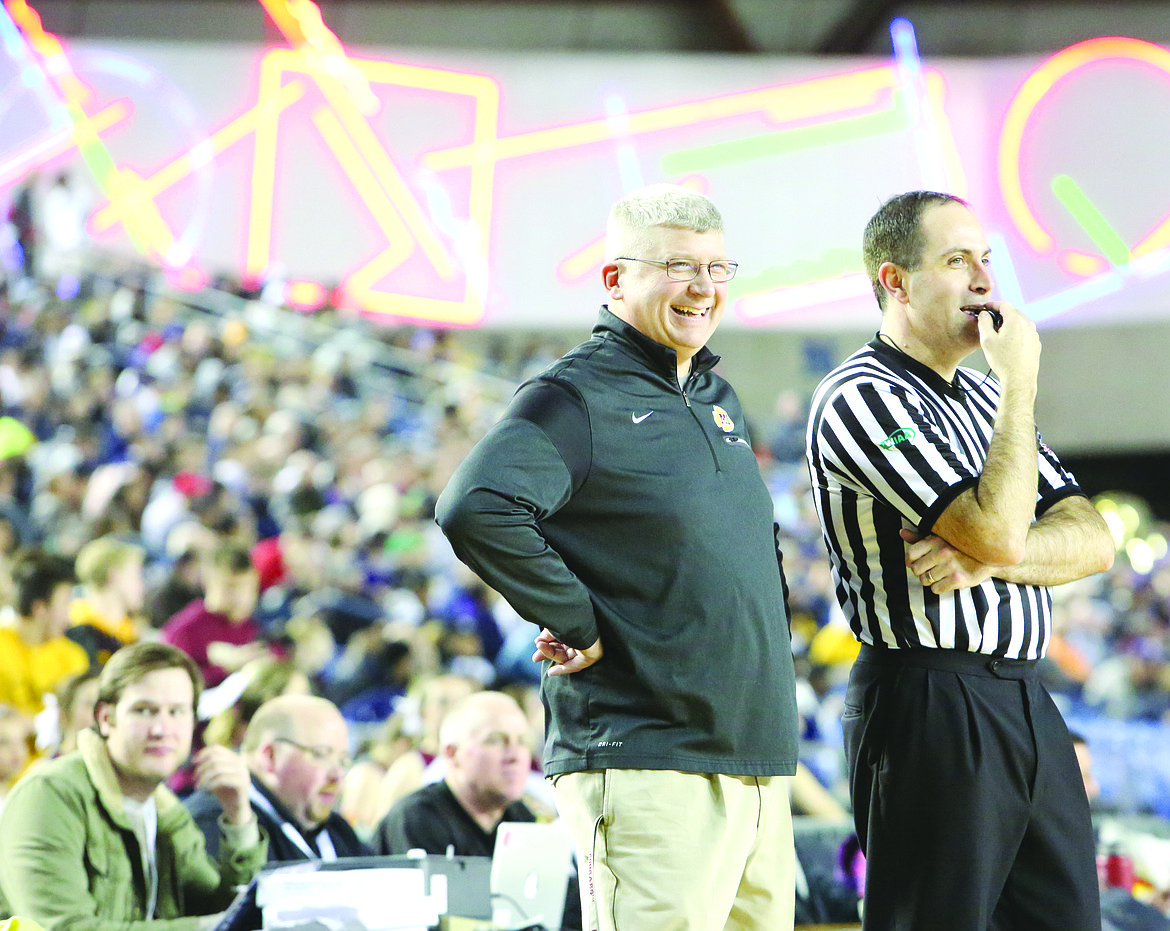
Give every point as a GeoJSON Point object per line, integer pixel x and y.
{"type": "Point", "coordinates": [722, 419]}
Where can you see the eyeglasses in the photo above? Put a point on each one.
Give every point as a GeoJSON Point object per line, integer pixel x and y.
{"type": "Point", "coordinates": [326, 756]}
{"type": "Point", "coordinates": [684, 270]}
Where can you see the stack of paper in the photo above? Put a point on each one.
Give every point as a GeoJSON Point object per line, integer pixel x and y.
{"type": "Point", "coordinates": [387, 899]}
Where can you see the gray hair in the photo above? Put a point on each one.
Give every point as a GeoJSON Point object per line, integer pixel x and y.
{"type": "Point", "coordinates": [658, 205]}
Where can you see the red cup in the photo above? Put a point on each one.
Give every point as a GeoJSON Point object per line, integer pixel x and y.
{"type": "Point", "coordinates": [1119, 872]}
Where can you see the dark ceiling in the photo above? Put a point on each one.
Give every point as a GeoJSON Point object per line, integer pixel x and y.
{"type": "Point", "coordinates": [952, 28]}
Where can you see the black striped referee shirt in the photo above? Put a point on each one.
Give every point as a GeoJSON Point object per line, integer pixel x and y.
{"type": "Point", "coordinates": [891, 444]}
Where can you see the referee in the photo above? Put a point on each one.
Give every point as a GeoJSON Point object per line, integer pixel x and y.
{"type": "Point", "coordinates": [946, 520]}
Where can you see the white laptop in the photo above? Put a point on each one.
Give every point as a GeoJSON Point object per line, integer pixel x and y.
{"type": "Point", "coordinates": [530, 874]}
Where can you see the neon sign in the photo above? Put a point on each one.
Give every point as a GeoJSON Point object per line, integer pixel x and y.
{"type": "Point", "coordinates": [1104, 273]}
{"type": "Point", "coordinates": [433, 172]}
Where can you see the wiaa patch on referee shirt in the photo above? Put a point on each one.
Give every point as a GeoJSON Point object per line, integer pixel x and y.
{"type": "Point", "coordinates": [904, 435]}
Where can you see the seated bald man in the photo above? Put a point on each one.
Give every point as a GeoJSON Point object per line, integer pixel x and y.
{"type": "Point", "coordinates": [483, 743]}
{"type": "Point", "coordinates": [297, 750]}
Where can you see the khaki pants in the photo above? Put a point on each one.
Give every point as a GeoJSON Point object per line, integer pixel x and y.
{"type": "Point", "coordinates": [670, 851]}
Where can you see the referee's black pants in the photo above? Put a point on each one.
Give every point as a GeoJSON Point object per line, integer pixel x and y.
{"type": "Point", "coordinates": [966, 796]}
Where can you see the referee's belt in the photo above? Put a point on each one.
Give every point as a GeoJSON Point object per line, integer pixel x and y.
{"type": "Point", "coordinates": [969, 664]}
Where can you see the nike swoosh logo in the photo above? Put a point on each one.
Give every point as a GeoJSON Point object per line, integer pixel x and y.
{"type": "Point", "coordinates": [636, 419]}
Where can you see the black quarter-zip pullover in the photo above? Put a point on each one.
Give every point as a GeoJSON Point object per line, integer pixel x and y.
{"type": "Point", "coordinates": [611, 501]}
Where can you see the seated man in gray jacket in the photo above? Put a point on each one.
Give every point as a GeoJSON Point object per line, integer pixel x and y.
{"type": "Point", "coordinates": [94, 841]}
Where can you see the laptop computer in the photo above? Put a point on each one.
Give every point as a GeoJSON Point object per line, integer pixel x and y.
{"type": "Point", "coordinates": [530, 874]}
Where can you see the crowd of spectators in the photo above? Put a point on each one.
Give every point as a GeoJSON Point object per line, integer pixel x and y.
{"type": "Point", "coordinates": [169, 459]}
{"type": "Point", "coordinates": [252, 485]}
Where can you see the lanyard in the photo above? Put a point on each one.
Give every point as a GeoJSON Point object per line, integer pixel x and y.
{"type": "Point", "coordinates": [324, 841]}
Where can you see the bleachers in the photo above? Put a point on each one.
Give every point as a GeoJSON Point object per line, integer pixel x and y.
{"type": "Point", "coordinates": [1131, 760]}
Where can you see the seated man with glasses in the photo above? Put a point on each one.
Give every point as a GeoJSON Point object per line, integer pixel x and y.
{"type": "Point", "coordinates": [297, 749]}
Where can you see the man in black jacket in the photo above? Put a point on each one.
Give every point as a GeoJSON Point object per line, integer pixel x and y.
{"type": "Point", "coordinates": [484, 748]}
{"type": "Point", "coordinates": [297, 749]}
{"type": "Point", "coordinates": [618, 505]}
